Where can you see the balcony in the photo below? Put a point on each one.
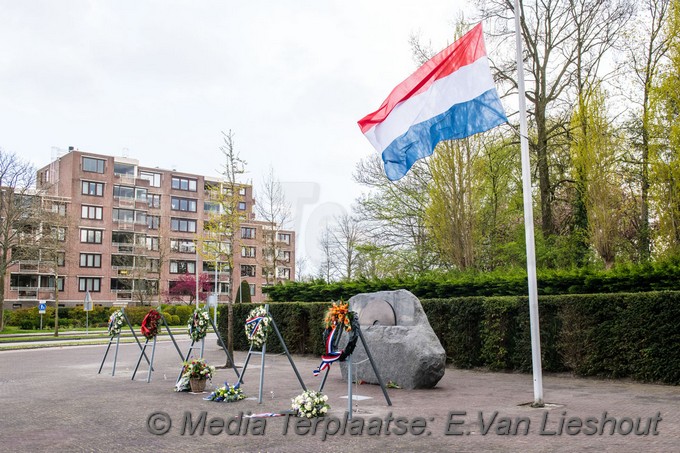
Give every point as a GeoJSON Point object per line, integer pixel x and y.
{"type": "Point", "coordinates": [36, 267]}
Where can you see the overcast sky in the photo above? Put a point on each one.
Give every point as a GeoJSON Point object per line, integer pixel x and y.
{"type": "Point", "coordinates": [158, 81]}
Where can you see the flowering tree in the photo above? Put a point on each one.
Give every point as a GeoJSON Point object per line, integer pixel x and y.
{"type": "Point", "coordinates": [186, 286]}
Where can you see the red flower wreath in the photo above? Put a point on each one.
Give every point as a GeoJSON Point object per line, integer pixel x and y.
{"type": "Point", "coordinates": [150, 324]}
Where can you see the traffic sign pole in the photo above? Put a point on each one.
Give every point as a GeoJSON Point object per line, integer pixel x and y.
{"type": "Point", "coordinates": [42, 307]}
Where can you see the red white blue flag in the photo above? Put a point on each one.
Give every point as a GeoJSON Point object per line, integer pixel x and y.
{"type": "Point", "coordinates": [451, 96]}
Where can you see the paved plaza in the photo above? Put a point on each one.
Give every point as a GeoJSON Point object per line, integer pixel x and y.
{"type": "Point", "coordinates": [52, 399]}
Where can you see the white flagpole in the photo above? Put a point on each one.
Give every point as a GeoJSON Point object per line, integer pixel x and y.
{"type": "Point", "coordinates": [528, 222]}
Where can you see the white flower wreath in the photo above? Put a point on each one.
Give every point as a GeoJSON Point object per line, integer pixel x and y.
{"type": "Point", "coordinates": [198, 324]}
{"type": "Point", "coordinates": [310, 404]}
{"type": "Point", "coordinates": [116, 321]}
{"type": "Point", "coordinates": [257, 326]}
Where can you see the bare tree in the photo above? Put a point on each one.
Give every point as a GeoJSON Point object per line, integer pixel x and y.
{"type": "Point", "coordinates": [326, 269]}
{"type": "Point", "coordinates": [275, 212]}
{"type": "Point", "coordinates": [345, 238]}
{"type": "Point", "coordinates": [17, 178]}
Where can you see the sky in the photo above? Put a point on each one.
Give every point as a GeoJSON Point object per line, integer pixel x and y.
{"type": "Point", "coordinates": [159, 81]}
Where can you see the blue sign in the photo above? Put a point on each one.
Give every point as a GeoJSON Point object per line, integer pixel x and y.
{"type": "Point", "coordinates": [42, 307]}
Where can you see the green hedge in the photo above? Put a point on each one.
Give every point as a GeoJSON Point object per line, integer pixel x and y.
{"type": "Point", "coordinates": [610, 335]}
{"type": "Point", "coordinates": [642, 278]}
{"type": "Point", "coordinates": [69, 317]}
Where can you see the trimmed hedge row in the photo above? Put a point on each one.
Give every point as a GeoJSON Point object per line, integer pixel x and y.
{"type": "Point", "coordinates": [29, 318]}
{"type": "Point", "coordinates": [643, 278]}
{"type": "Point", "coordinates": [611, 335]}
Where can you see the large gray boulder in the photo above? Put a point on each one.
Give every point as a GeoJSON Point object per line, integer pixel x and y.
{"type": "Point", "coordinates": [401, 341]}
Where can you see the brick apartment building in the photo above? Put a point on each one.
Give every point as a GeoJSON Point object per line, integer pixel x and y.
{"type": "Point", "coordinates": [118, 216]}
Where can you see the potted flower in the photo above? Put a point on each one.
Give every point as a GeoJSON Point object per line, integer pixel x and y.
{"type": "Point", "coordinates": [197, 371]}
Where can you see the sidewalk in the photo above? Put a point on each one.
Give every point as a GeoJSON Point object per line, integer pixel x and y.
{"type": "Point", "coordinates": [52, 399]}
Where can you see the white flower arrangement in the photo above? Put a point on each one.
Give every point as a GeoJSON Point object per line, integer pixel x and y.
{"type": "Point", "coordinates": [311, 404]}
{"type": "Point", "coordinates": [116, 321]}
{"type": "Point", "coordinates": [257, 326]}
{"type": "Point", "coordinates": [198, 324]}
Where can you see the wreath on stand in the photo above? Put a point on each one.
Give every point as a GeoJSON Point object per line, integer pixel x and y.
{"type": "Point", "coordinates": [338, 316]}
{"type": "Point", "coordinates": [257, 326]}
{"type": "Point", "coordinates": [198, 324]}
{"type": "Point", "coordinates": [116, 321]}
{"type": "Point", "coordinates": [150, 324]}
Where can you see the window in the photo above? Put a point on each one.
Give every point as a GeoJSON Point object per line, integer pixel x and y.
{"type": "Point", "coordinates": [248, 252]}
{"type": "Point", "coordinates": [89, 284]}
{"type": "Point", "coordinates": [123, 215]}
{"type": "Point", "coordinates": [182, 267]}
{"type": "Point", "coordinates": [154, 200]}
{"type": "Point", "coordinates": [123, 260]}
{"type": "Point", "coordinates": [58, 233]}
{"type": "Point", "coordinates": [242, 191]}
{"type": "Point", "coordinates": [182, 245]}
{"type": "Point", "coordinates": [183, 204]}
{"type": "Point", "coordinates": [140, 194]}
{"type": "Point", "coordinates": [91, 212]}
{"type": "Point", "coordinates": [186, 225]}
{"type": "Point", "coordinates": [93, 188]}
{"type": "Point", "coordinates": [152, 264]}
{"type": "Point", "coordinates": [153, 222]}
{"type": "Point", "coordinates": [122, 169]}
{"type": "Point", "coordinates": [152, 243]}
{"type": "Point", "coordinates": [90, 260]}
{"type": "Point", "coordinates": [247, 270]}
{"type": "Point", "coordinates": [284, 237]}
{"type": "Point", "coordinates": [183, 184]}
{"type": "Point", "coordinates": [93, 165]}
{"type": "Point", "coordinates": [252, 289]}
{"type": "Point", "coordinates": [91, 236]}
{"type": "Point", "coordinates": [123, 192]}
{"type": "Point", "coordinates": [153, 178]}
{"type": "Point", "coordinates": [211, 207]}
{"type": "Point", "coordinates": [59, 208]}
{"type": "Point", "coordinates": [285, 256]}
{"type": "Point", "coordinates": [120, 237]}
{"type": "Point", "coordinates": [48, 282]}
{"type": "Point", "coordinates": [241, 205]}
{"type": "Point", "coordinates": [247, 233]}
{"type": "Point", "coordinates": [283, 272]}
{"type": "Point", "coordinates": [61, 259]}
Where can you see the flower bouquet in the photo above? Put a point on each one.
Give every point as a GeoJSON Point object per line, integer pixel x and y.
{"type": "Point", "coordinates": [257, 326]}
{"type": "Point", "coordinates": [227, 393]}
{"type": "Point", "coordinates": [116, 321]}
{"type": "Point", "coordinates": [311, 404]}
{"type": "Point", "coordinates": [339, 315]}
{"type": "Point", "coordinates": [198, 324]}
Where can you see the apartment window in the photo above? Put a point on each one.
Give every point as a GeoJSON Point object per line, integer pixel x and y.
{"type": "Point", "coordinates": [89, 284]}
{"type": "Point", "coordinates": [186, 225]}
{"type": "Point", "coordinates": [285, 256]}
{"type": "Point", "coordinates": [91, 212]}
{"type": "Point", "coordinates": [252, 289]}
{"type": "Point", "coordinates": [182, 246]}
{"type": "Point", "coordinates": [283, 272]}
{"type": "Point", "coordinates": [123, 192]}
{"type": "Point", "coordinates": [248, 252]}
{"type": "Point", "coordinates": [48, 282]}
{"type": "Point", "coordinates": [61, 259]}
{"type": "Point", "coordinates": [93, 165]}
{"type": "Point", "coordinates": [120, 237]}
{"type": "Point", "coordinates": [59, 208]}
{"type": "Point", "coordinates": [122, 260]}
{"type": "Point", "coordinates": [154, 200]}
{"type": "Point", "coordinates": [93, 188]}
{"type": "Point", "coordinates": [182, 267]}
{"type": "Point", "coordinates": [153, 178]}
{"type": "Point", "coordinates": [58, 233]}
{"type": "Point", "coordinates": [284, 237]}
{"type": "Point", "coordinates": [91, 236]}
{"type": "Point", "coordinates": [123, 215]}
{"type": "Point", "coordinates": [90, 260]}
{"type": "Point", "coordinates": [152, 243]}
{"type": "Point", "coordinates": [152, 264]}
{"type": "Point", "coordinates": [183, 184]}
{"type": "Point", "coordinates": [211, 207]}
{"type": "Point", "coordinates": [242, 191]}
{"type": "Point", "coordinates": [153, 222]}
{"type": "Point", "coordinates": [140, 194]}
{"type": "Point", "coordinates": [248, 270]}
{"type": "Point", "coordinates": [183, 204]}
{"type": "Point", "coordinates": [247, 233]}
{"type": "Point", "coordinates": [241, 205]}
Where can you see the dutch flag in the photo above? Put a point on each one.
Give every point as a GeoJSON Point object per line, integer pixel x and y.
{"type": "Point", "coordinates": [451, 96]}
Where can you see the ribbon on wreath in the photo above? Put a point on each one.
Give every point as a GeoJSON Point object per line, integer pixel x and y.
{"type": "Point", "coordinates": [256, 321]}
{"type": "Point", "coordinates": [331, 355]}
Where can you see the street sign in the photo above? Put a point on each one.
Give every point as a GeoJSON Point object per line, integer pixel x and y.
{"type": "Point", "coordinates": [212, 300]}
{"type": "Point", "coordinates": [88, 302]}
{"type": "Point", "coordinates": [42, 307]}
